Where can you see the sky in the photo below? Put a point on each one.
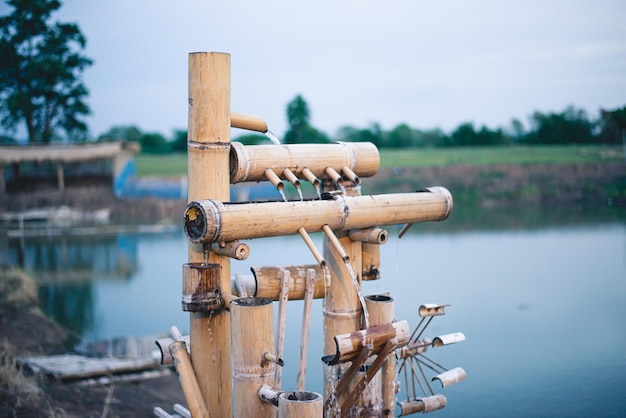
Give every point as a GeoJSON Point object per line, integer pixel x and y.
{"type": "Point", "coordinates": [429, 64]}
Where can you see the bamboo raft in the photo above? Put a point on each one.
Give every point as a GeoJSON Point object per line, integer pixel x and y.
{"type": "Point", "coordinates": [232, 364]}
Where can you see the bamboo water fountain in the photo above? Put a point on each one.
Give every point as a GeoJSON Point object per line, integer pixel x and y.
{"type": "Point", "coordinates": [236, 358]}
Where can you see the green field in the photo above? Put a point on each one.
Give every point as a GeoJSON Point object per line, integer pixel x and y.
{"type": "Point", "coordinates": [176, 164]}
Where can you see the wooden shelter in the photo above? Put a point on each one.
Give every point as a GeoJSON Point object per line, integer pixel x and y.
{"type": "Point", "coordinates": [117, 158]}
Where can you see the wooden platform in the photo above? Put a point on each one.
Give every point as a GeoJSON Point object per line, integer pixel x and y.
{"type": "Point", "coordinates": [72, 367]}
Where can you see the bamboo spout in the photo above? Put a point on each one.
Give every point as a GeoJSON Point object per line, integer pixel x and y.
{"type": "Point", "coordinates": [248, 122]}
{"type": "Point", "coordinates": [235, 250]}
{"type": "Point", "coordinates": [214, 221]}
{"type": "Point", "coordinates": [335, 243]}
{"type": "Point", "coordinates": [311, 178]}
{"type": "Point", "coordinates": [309, 242]}
{"type": "Point", "coordinates": [274, 179]}
{"type": "Point", "coordinates": [351, 175]}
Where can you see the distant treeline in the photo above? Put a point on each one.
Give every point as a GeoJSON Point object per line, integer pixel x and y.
{"type": "Point", "coordinates": [571, 126]}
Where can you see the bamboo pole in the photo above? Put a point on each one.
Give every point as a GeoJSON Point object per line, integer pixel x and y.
{"type": "Point", "coordinates": [381, 310]}
{"type": "Point", "coordinates": [213, 221]}
{"type": "Point", "coordinates": [191, 390]}
{"type": "Point", "coordinates": [268, 281]}
{"type": "Point", "coordinates": [282, 323]}
{"type": "Point", "coordinates": [249, 162]}
{"type": "Point", "coordinates": [208, 164]}
{"type": "Point", "coordinates": [306, 328]}
{"type": "Point", "coordinates": [342, 312]}
{"type": "Point", "coordinates": [252, 334]}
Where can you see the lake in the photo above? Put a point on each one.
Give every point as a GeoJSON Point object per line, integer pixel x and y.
{"type": "Point", "coordinates": [540, 295]}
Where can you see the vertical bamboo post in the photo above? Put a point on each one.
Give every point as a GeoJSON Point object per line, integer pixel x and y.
{"type": "Point", "coordinates": [252, 337]}
{"type": "Point", "coordinates": [342, 311]}
{"type": "Point", "coordinates": [209, 178]}
{"type": "Point", "coordinates": [381, 310]}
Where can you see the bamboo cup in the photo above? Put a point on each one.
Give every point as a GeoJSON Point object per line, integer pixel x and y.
{"type": "Point", "coordinates": [300, 404]}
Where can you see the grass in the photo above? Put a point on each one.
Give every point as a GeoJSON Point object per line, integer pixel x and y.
{"type": "Point", "coordinates": [175, 165]}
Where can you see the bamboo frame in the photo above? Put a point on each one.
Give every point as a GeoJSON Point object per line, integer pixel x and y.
{"type": "Point", "coordinates": [268, 281]}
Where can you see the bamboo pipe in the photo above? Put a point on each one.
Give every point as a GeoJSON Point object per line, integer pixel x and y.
{"type": "Point", "coordinates": [291, 177]}
{"type": "Point", "coordinates": [381, 310]}
{"type": "Point", "coordinates": [249, 162]}
{"type": "Point", "coordinates": [267, 281]}
{"type": "Point", "coordinates": [208, 150]}
{"type": "Point", "coordinates": [252, 335]}
{"type": "Point", "coordinates": [306, 328]}
{"type": "Point", "coordinates": [309, 242]}
{"type": "Point", "coordinates": [333, 175]}
{"type": "Point", "coordinates": [369, 235]}
{"type": "Point", "coordinates": [191, 390]}
{"type": "Point", "coordinates": [269, 394]}
{"type": "Point", "coordinates": [214, 221]}
{"type": "Point", "coordinates": [234, 249]}
{"type": "Point", "coordinates": [426, 404]}
{"type": "Point", "coordinates": [351, 175]}
{"type": "Point", "coordinates": [332, 238]}
{"type": "Point", "coordinates": [163, 345]}
{"type": "Point", "coordinates": [282, 323]}
{"type": "Point", "coordinates": [310, 177]}
{"type": "Point", "coordinates": [274, 179]}
{"type": "Point", "coordinates": [348, 345]}
{"type": "Point", "coordinates": [248, 122]}
{"type": "Point", "coordinates": [300, 404]}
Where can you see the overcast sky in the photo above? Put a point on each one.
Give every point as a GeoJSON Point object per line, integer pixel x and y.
{"type": "Point", "coordinates": [425, 63]}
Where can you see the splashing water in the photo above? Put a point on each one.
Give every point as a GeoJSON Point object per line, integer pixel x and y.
{"type": "Point", "coordinates": [366, 315]}
{"type": "Point", "coordinates": [319, 194]}
{"type": "Point", "coordinates": [272, 137]}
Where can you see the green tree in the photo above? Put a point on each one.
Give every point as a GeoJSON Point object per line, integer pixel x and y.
{"type": "Point", "coordinates": [129, 133]}
{"type": "Point", "coordinates": [40, 69]}
{"type": "Point", "coordinates": [572, 126]}
{"type": "Point", "coordinates": [613, 125]}
{"type": "Point", "coordinates": [402, 136]}
{"type": "Point", "coordinates": [154, 143]}
{"type": "Point", "coordinates": [300, 131]}
{"type": "Point", "coordinates": [372, 134]}
{"type": "Point", "coordinates": [179, 140]}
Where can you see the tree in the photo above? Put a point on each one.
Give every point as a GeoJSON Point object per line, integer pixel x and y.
{"type": "Point", "coordinates": [40, 68]}
{"type": "Point", "coordinates": [122, 133]}
{"type": "Point", "coordinates": [300, 131]}
{"type": "Point", "coordinates": [572, 126]}
{"type": "Point", "coordinates": [613, 125]}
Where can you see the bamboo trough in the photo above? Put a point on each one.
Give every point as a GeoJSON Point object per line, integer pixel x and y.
{"type": "Point", "coordinates": [211, 220]}
{"type": "Point", "coordinates": [235, 350]}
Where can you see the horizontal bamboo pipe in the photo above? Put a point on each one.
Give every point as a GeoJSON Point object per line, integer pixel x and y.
{"type": "Point", "coordinates": [249, 162]}
{"type": "Point", "coordinates": [268, 281]}
{"type": "Point", "coordinates": [214, 221]}
{"type": "Point", "coordinates": [348, 345]}
{"type": "Point", "coordinates": [369, 235]}
{"type": "Point", "coordinates": [426, 404]}
{"type": "Point", "coordinates": [249, 122]}
{"type": "Point", "coordinates": [236, 250]}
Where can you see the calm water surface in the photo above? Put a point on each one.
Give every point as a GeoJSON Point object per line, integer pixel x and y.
{"type": "Point", "coordinates": [540, 296]}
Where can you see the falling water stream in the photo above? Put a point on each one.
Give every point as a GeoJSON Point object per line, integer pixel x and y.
{"type": "Point", "coordinates": [272, 137]}
{"type": "Point", "coordinates": [366, 315]}
{"type": "Point", "coordinates": [300, 193]}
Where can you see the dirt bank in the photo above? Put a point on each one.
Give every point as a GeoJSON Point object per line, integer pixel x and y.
{"type": "Point", "coordinates": [24, 330]}
{"type": "Point", "coordinates": [512, 183]}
